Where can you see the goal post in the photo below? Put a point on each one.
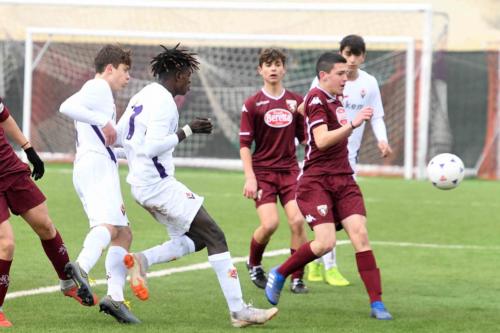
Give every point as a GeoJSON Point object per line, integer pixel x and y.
{"type": "Point", "coordinates": [225, 114]}
{"type": "Point", "coordinates": [402, 40]}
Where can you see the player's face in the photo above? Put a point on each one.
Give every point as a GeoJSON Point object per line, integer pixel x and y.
{"type": "Point", "coordinates": [353, 60]}
{"type": "Point", "coordinates": [272, 72]}
{"type": "Point", "coordinates": [334, 81]}
{"type": "Point", "coordinates": [119, 76]}
{"type": "Point", "coordinates": [183, 82]}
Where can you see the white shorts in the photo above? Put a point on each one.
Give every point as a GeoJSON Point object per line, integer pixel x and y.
{"type": "Point", "coordinates": [96, 180]}
{"type": "Point", "coordinates": [171, 203]}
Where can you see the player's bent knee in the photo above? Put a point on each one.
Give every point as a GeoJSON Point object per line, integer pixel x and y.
{"type": "Point", "coordinates": [7, 246]}
{"type": "Point", "coordinates": [269, 227]}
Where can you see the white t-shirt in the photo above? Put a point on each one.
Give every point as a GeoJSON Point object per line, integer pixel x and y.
{"type": "Point", "coordinates": [147, 133]}
{"type": "Point", "coordinates": [92, 107]}
{"type": "Point", "coordinates": [359, 93]}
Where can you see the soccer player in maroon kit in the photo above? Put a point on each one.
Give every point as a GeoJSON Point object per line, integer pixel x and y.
{"type": "Point", "coordinates": [327, 194]}
{"type": "Point", "coordinates": [270, 118]}
{"type": "Point", "coordinates": [20, 194]}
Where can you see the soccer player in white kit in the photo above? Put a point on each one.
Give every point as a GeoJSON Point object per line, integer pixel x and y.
{"type": "Point", "coordinates": [149, 132]}
{"type": "Point", "coordinates": [361, 90]}
{"type": "Point", "coordinates": [96, 179]}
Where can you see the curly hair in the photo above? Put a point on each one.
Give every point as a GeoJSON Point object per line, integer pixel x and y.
{"type": "Point", "coordinates": [173, 60]}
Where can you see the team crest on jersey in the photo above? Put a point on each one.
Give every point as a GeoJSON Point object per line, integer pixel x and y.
{"type": "Point", "coordinates": [278, 118]}
{"type": "Point", "coordinates": [363, 93]}
{"type": "Point", "coordinates": [322, 210]}
{"type": "Point", "coordinates": [232, 273]}
{"type": "Point", "coordinates": [189, 195]}
{"type": "Point", "coordinates": [341, 116]}
{"type": "Point", "coordinates": [122, 208]}
{"type": "Point", "coordinates": [292, 105]}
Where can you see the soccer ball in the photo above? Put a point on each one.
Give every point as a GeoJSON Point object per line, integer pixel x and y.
{"type": "Point", "coordinates": [445, 171]}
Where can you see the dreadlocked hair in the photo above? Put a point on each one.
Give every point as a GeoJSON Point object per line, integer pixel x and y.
{"type": "Point", "coordinates": [173, 60]}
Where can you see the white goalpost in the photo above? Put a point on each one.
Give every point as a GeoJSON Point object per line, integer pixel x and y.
{"type": "Point", "coordinates": [401, 40]}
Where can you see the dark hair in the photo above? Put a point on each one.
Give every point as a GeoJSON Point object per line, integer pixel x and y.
{"type": "Point", "coordinates": [327, 60]}
{"type": "Point", "coordinates": [173, 60]}
{"type": "Point", "coordinates": [271, 54]}
{"type": "Point", "coordinates": [355, 43]}
{"type": "Point", "coordinates": [111, 54]}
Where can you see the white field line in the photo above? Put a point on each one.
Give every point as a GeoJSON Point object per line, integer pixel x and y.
{"type": "Point", "coordinates": [274, 253]}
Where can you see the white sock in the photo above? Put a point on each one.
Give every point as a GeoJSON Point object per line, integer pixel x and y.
{"type": "Point", "coordinates": [116, 272]}
{"type": "Point", "coordinates": [228, 280]}
{"type": "Point", "coordinates": [97, 240]}
{"type": "Point", "coordinates": [330, 259]}
{"type": "Point", "coordinates": [170, 250]}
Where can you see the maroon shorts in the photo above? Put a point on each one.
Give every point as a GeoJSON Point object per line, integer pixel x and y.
{"type": "Point", "coordinates": [329, 199]}
{"type": "Point", "coordinates": [271, 184]}
{"type": "Point", "coordinates": [20, 195]}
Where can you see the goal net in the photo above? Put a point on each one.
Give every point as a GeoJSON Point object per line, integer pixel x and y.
{"type": "Point", "coordinates": [228, 37]}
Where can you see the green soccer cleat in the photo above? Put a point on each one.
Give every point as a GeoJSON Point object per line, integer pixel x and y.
{"type": "Point", "coordinates": [334, 278]}
{"type": "Point", "coordinates": [314, 272]}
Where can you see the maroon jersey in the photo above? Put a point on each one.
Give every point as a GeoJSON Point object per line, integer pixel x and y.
{"type": "Point", "coordinates": [274, 123]}
{"type": "Point", "coordinates": [322, 108]}
{"type": "Point", "coordinates": [9, 162]}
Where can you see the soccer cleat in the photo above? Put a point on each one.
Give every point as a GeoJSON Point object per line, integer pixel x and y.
{"type": "Point", "coordinates": [136, 270]}
{"type": "Point", "coordinates": [314, 272]}
{"type": "Point", "coordinates": [379, 311]}
{"type": "Point", "coordinates": [298, 287]}
{"type": "Point", "coordinates": [258, 275]}
{"type": "Point", "coordinates": [4, 322]}
{"type": "Point", "coordinates": [73, 293]}
{"type": "Point", "coordinates": [252, 316]}
{"type": "Point", "coordinates": [274, 286]}
{"type": "Point", "coordinates": [334, 278]}
{"type": "Point", "coordinates": [74, 272]}
{"type": "Point", "coordinates": [118, 310]}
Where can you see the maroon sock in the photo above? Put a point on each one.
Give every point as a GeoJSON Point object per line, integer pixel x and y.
{"type": "Point", "coordinates": [299, 273]}
{"type": "Point", "coordinates": [299, 259]}
{"type": "Point", "coordinates": [370, 275]}
{"type": "Point", "coordinates": [256, 252]}
{"type": "Point", "coordinates": [4, 278]}
{"type": "Point", "coordinates": [56, 252]}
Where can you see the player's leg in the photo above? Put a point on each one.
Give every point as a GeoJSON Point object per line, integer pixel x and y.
{"type": "Point", "coordinates": [6, 255]}
{"type": "Point", "coordinates": [269, 222]}
{"type": "Point", "coordinates": [116, 271]}
{"type": "Point", "coordinates": [204, 230]}
{"type": "Point", "coordinates": [298, 238]}
{"type": "Point", "coordinates": [324, 240]}
{"type": "Point", "coordinates": [355, 226]}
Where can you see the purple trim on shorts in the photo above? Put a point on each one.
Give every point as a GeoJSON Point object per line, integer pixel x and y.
{"type": "Point", "coordinates": [99, 134]}
{"type": "Point", "coordinates": [159, 167]}
{"type": "Point", "coordinates": [131, 122]}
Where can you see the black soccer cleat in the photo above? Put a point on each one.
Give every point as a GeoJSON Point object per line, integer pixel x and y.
{"type": "Point", "coordinates": [74, 272]}
{"type": "Point", "coordinates": [257, 275]}
{"type": "Point", "coordinates": [298, 287]}
{"type": "Point", "coordinates": [118, 310]}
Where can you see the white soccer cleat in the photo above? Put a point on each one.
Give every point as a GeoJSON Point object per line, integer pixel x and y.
{"type": "Point", "coordinates": [252, 316]}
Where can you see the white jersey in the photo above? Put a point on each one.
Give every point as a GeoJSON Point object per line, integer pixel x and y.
{"type": "Point", "coordinates": [147, 133]}
{"type": "Point", "coordinates": [360, 93]}
{"type": "Point", "coordinates": [92, 107]}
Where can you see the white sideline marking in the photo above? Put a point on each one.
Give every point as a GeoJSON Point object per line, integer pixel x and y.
{"type": "Point", "coordinates": [205, 265]}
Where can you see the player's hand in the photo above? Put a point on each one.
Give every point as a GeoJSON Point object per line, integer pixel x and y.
{"type": "Point", "coordinates": [201, 125]}
{"type": "Point", "coordinates": [250, 188]}
{"type": "Point", "coordinates": [38, 167]}
{"type": "Point", "coordinates": [109, 132]}
{"type": "Point", "coordinates": [301, 108]}
{"type": "Point", "coordinates": [385, 149]}
{"type": "Point", "coordinates": [364, 114]}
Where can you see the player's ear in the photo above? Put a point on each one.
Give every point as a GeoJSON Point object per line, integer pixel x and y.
{"type": "Point", "coordinates": [108, 68]}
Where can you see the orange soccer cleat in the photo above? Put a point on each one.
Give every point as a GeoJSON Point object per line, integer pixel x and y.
{"type": "Point", "coordinates": [136, 269]}
{"type": "Point", "coordinates": [73, 293]}
{"type": "Point", "coordinates": [4, 322]}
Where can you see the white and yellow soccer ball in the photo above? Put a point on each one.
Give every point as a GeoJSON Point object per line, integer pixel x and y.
{"type": "Point", "coordinates": [445, 171]}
